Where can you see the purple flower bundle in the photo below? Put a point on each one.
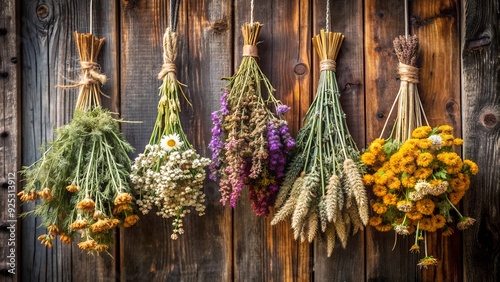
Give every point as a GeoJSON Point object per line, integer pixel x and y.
{"type": "Point", "coordinates": [250, 139]}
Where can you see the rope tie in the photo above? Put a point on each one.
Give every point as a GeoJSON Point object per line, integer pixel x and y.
{"type": "Point", "coordinates": [250, 51]}
{"type": "Point", "coordinates": [169, 54]}
{"type": "Point", "coordinates": [167, 68]}
{"type": "Point", "coordinates": [92, 73]}
{"type": "Point", "coordinates": [408, 73]}
{"type": "Point", "coordinates": [328, 64]}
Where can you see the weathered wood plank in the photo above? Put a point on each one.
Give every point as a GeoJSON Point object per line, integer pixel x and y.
{"type": "Point", "coordinates": [437, 25]}
{"type": "Point", "coordinates": [347, 18]}
{"type": "Point", "coordinates": [49, 59]}
{"type": "Point", "coordinates": [9, 142]}
{"type": "Point", "coordinates": [481, 133]}
{"type": "Point", "coordinates": [203, 252]}
{"type": "Point", "coordinates": [384, 20]}
{"type": "Point", "coordinates": [264, 252]}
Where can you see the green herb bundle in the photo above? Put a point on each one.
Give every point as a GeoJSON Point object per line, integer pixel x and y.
{"type": "Point", "coordinates": [170, 174]}
{"type": "Point", "coordinates": [82, 177]}
{"type": "Point", "coordinates": [323, 192]}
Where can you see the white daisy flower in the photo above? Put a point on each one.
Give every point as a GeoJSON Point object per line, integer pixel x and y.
{"type": "Point", "coordinates": [436, 141]}
{"type": "Point", "coordinates": [171, 142]}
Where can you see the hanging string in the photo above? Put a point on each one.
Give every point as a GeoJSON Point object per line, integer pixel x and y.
{"type": "Point", "coordinates": [407, 25]}
{"type": "Point", "coordinates": [251, 12]}
{"type": "Point", "coordinates": [90, 17]}
{"type": "Point", "coordinates": [174, 14]}
{"type": "Point", "coordinates": [327, 16]}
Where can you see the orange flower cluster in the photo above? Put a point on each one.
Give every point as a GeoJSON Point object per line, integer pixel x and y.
{"type": "Point", "coordinates": [418, 183]}
{"type": "Point", "coordinates": [79, 186]}
{"type": "Point", "coordinates": [94, 225]}
{"type": "Point", "coordinates": [97, 225]}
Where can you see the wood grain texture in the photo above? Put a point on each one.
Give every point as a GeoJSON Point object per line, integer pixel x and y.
{"type": "Point", "coordinates": [50, 58]}
{"type": "Point", "coordinates": [233, 244]}
{"type": "Point", "coordinates": [347, 18]}
{"type": "Point", "coordinates": [437, 25]}
{"type": "Point", "coordinates": [481, 132]}
{"type": "Point", "coordinates": [10, 138]}
{"type": "Point", "coordinates": [263, 252]}
{"type": "Point", "coordinates": [384, 20]}
{"type": "Point", "coordinates": [203, 252]}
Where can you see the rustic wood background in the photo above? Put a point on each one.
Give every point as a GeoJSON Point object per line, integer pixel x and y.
{"type": "Point", "coordinates": [460, 68]}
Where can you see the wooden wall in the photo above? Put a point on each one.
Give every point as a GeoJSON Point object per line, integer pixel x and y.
{"type": "Point", "coordinates": [460, 65]}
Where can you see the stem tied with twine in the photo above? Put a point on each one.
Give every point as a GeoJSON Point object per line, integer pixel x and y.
{"type": "Point", "coordinates": [250, 138]}
{"type": "Point", "coordinates": [410, 113]}
{"type": "Point", "coordinates": [323, 192]}
{"type": "Point", "coordinates": [91, 77]}
{"type": "Point", "coordinates": [83, 175]}
{"type": "Point", "coordinates": [168, 121]}
{"type": "Point", "coordinates": [170, 174]}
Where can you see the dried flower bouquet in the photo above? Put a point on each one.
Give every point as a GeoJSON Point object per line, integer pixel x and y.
{"type": "Point", "coordinates": [250, 141]}
{"type": "Point", "coordinates": [418, 184]}
{"type": "Point", "coordinates": [416, 177]}
{"type": "Point", "coordinates": [82, 177]}
{"type": "Point", "coordinates": [170, 174]}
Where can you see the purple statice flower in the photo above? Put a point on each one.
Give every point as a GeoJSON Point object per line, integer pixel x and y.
{"type": "Point", "coordinates": [216, 145]}
{"type": "Point", "coordinates": [276, 156]}
{"type": "Point", "coordinates": [282, 109]}
{"type": "Point", "coordinates": [223, 102]}
{"type": "Point", "coordinates": [280, 144]}
{"type": "Point", "coordinates": [286, 138]}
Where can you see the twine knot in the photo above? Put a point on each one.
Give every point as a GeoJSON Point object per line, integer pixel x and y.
{"type": "Point", "coordinates": [250, 51]}
{"type": "Point", "coordinates": [167, 68]}
{"type": "Point", "coordinates": [408, 73]}
{"type": "Point", "coordinates": [91, 74]}
{"type": "Point", "coordinates": [169, 54]}
{"type": "Point", "coordinates": [328, 64]}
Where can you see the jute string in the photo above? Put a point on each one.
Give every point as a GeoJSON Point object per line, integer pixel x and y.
{"type": "Point", "coordinates": [250, 51]}
{"type": "Point", "coordinates": [169, 54]}
{"type": "Point", "coordinates": [328, 64]}
{"type": "Point", "coordinates": [408, 73]}
{"type": "Point", "coordinates": [90, 75]}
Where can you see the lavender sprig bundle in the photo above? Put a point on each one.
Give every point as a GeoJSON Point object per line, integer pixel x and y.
{"type": "Point", "coordinates": [323, 191]}
{"type": "Point", "coordinates": [250, 138]}
{"type": "Point", "coordinates": [81, 184]}
{"type": "Point", "coordinates": [170, 174]}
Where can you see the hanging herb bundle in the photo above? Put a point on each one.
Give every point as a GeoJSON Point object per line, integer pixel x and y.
{"type": "Point", "coordinates": [250, 142]}
{"type": "Point", "coordinates": [323, 189]}
{"type": "Point", "coordinates": [82, 177]}
{"type": "Point", "coordinates": [409, 106]}
{"type": "Point", "coordinates": [416, 177]}
{"type": "Point", "coordinates": [170, 174]}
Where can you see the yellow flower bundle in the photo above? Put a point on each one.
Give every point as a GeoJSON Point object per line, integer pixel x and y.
{"type": "Point", "coordinates": [418, 184]}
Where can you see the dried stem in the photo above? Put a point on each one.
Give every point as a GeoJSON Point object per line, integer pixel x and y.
{"type": "Point", "coordinates": [409, 107]}
{"type": "Point", "coordinates": [91, 79]}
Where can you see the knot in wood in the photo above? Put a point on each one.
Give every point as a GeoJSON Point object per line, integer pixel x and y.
{"type": "Point", "coordinates": [408, 73]}
{"type": "Point", "coordinates": [328, 64]}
